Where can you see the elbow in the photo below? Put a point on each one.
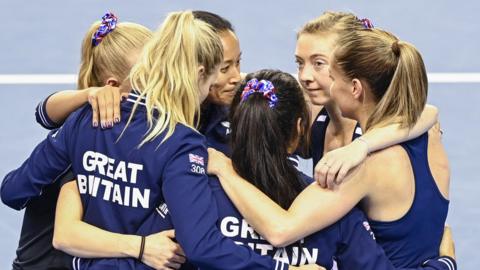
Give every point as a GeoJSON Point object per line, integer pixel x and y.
{"type": "Point", "coordinates": [432, 111]}
{"type": "Point", "coordinates": [61, 240]}
{"type": "Point", "coordinates": [278, 236]}
{"type": "Point", "coordinates": [8, 199]}
{"type": "Point", "coordinates": [3, 195]}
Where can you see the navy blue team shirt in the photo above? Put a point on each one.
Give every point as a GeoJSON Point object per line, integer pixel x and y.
{"type": "Point", "coordinates": [318, 130]}
{"type": "Point", "coordinates": [417, 235]}
{"type": "Point", "coordinates": [349, 241]}
{"type": "Point", "coordinates": [214, 125]}
{"type": "Point", "coordinates": [419, 232]}
{"type": "Point", "coordinates": [125, 189]}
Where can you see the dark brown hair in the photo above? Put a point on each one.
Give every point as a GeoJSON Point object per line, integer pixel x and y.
{"type": "Point", "coordinates": [261, 136]}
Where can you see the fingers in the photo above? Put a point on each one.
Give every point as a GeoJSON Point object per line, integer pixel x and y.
{"type": "Point", "coordinates": [213, 152]}
{"type": "Point", "coordinates": [178, 259]}
{"type": "Point", "coordinates": [308, 267]}
{"type": "Point", "coordinates": [180, 251]}
{"type": "Point", "coordinates": [172, 265]}
{"type": "Point", "coordinates": [320, 173]}
{"type": "Point", "coordinates": [105, 103]}
{"type": "Point", "coordinates": [344, 169]}
{"type": "Point", "coordinates": [102, 110]}
{"type": "Point", "coordinates": [332, 174]}
{"type": "Point", "coordinates": [93, 102]}
{"type": "Point", "coordinates": [124, 96]}
{"type": "Point", "coordinates": [116, 105]}
{"type": "Point", "coordinates": [169, 233]}
{"type": "Point", "coordinates": [109, 96]}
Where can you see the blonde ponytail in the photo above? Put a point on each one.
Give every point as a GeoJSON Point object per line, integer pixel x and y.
{"type": "Point", "coordinates": [406, 95]}
{"type": "Point", "coordinates": [394, 71]}
{"type": "Point", "coordinates": [112, 56]}
{"type": "Point", "coordinates": [167, 72]}
{"type": "Point", "coordinates": [86, 76]}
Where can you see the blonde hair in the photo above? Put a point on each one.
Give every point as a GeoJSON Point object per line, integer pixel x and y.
{"type": "Point", "coordinates": [111, 56]}
{"type": "Point", "coordinates": [332, 22]}
{"type": "Point", "coordinates": [167, 72]}
{"type": "Point", "coordinates": [394, 71]}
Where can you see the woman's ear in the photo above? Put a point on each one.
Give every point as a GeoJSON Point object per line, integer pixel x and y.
{"type": "Point", "coordinates": [201, 72]}
{"type": "Point", "coordinates": [357, 88]}
{"type": "Point", "coordinates": [112, 81]}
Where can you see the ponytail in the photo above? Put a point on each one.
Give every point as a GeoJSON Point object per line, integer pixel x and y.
{"type": "Point", "coordinates": [167, 72]}
{"type": "Point", "coordinates": [86, 76]}
{"type": "Point", "coordinates": [406, 95]}
{"type": "Point", "coordinates": [394, 71]}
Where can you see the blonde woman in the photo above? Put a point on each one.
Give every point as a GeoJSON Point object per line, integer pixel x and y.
{"type": "Point", "coordinates": [149, 170]}
{"type": "Point", "coordinates": [108, 52]}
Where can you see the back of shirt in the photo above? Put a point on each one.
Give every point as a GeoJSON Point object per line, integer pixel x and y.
{"type": "Point", "coordinates": [416, 236]}
{"type": "Point", "coordinates": [122, 185]}
{"type": "Point", "coordinates": [119, 182]}
{"type": "Point", "coordinates": [350, 241]}
{"type": "Point", "coordinates": [318, 248]}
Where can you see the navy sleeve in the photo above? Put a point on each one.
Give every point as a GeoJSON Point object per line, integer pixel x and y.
{"type": "Point", "coordinates": [358, 249]}
{"type": "Point", "coordinates": [194, 214]}
{"type": "Point", "coordinates": [42, 117]}
{"type": "Point", "coordinates": [48, 161]}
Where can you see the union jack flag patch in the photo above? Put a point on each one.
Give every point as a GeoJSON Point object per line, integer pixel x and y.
{"type": "Point", "coordinates": [196, 159]}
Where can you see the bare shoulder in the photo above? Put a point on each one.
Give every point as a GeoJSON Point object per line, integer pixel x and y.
{"type": "Point", "coordinates": [391, 161]}
{"type": "Point", "coordinates": [391, 184]}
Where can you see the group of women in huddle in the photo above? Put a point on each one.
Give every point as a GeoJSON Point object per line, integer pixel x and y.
{"type": "Point", "coordinates": [125, 180]}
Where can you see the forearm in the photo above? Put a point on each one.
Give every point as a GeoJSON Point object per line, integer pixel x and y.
{"type": "Point", "coordinates": [313, 209]}
{"type": "Point", "coordinates": [47, 162]}
{"type": "Point", "coordinates": [61, 104]}
{"type": "Point", "coordinates": [78, 238]}
{"type": "Point", "coordinates": [81, 239]}
{"type": "Point", "coordinates": [383, 137]}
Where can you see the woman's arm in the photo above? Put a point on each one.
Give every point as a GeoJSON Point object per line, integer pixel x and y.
{"type": "Point", "coordinates": [314, 209]}
{"type": "Point", "coordinates": [193, 209]}
{"type": "Point", "coordinates": [334, 165]}
{"type": "Point", "coordinates": [105, 102]}
{"type": "Point", "coordinates": [81, 239]}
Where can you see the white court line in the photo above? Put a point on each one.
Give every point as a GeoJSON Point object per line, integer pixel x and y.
{"type": "Point", "coordinates": [38, 79]}
{"type": "Point", "coordinates": [72, 78]}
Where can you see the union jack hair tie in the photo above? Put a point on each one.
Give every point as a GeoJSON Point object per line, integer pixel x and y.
{"type": "Point", "coordinates": [108, 24]}
{"type": "Point", "coordinates": [263, 86]}
{"type": "Point", "coordinates": [367, 24]}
